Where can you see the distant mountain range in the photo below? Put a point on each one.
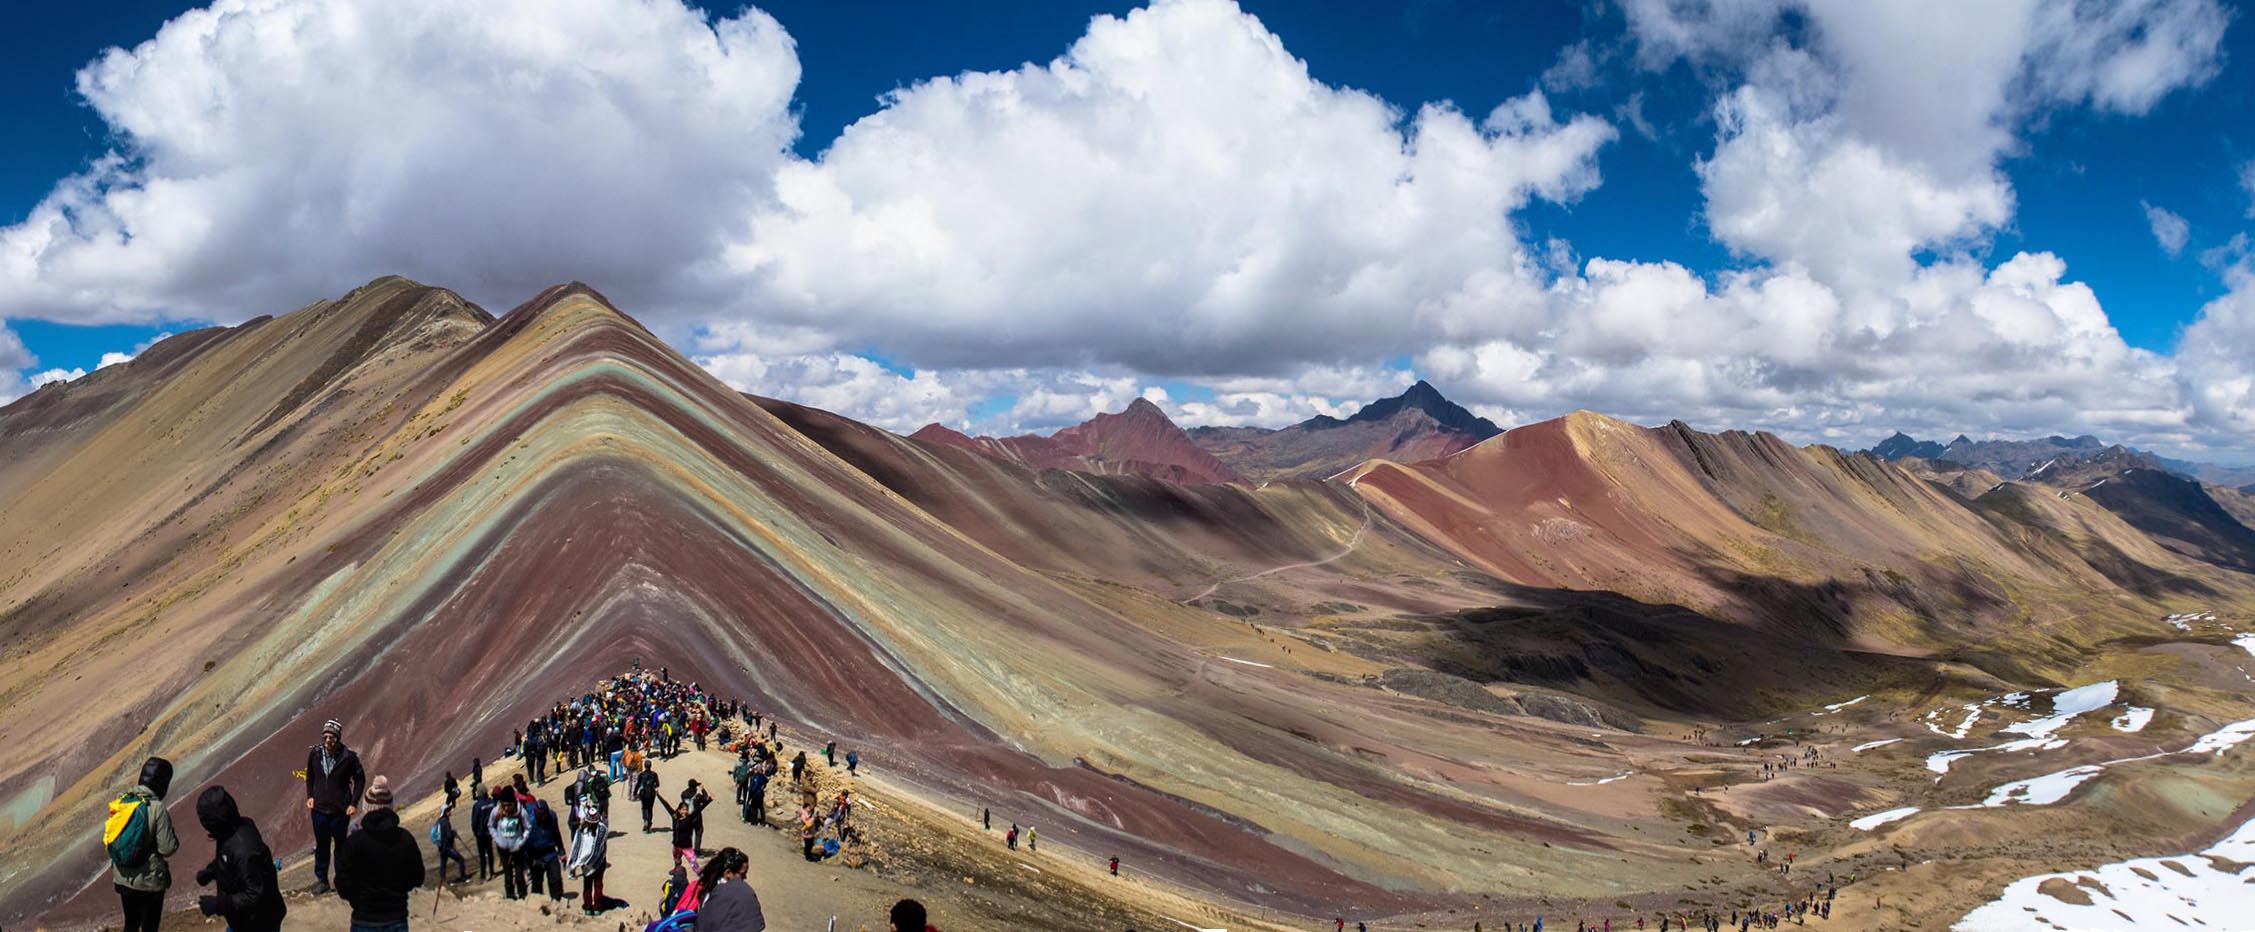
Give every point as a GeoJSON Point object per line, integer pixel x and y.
{"type": "Point", "coordinates": [1139, 441]}
{"type": "Point", "coordinates": [2015, 459]}
{"type": "Point", "coordinates": [1418, 424]}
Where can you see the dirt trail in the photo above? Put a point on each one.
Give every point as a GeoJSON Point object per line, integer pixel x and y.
{"type": "Point", "coordinates": [1352, 542]}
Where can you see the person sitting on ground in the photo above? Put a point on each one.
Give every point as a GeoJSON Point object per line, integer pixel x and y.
{"type": "Point", "coordinates": [378, 864]}
{"type": "Point", "coordinates": [245, 891]}
{"type": "Point", "coordinates": [729, 903]}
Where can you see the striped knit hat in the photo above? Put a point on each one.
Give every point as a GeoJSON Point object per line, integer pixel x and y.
{"type": "Point", "coordinates": [333, 727]}
{"type": "Point", "coordinates": [379, 792]}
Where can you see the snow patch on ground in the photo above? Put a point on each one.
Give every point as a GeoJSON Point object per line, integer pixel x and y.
{"type": "Point", "coordinates": [2067, 705]}
{"type": "Point", "coordinates": [1972, 714]}
{"type": "Point", "coordinates": [1837, 706]}
{"type": "Point", "coordinates": [2053, 787]}
{"type": "Point", "coordinates": [2246, 642]}
{"type": "Point", "coordinates": [1877, 819]}
{"type": "Point", "coordinates": [2133, 719]}
{"type": "Point", "coordinates": [2041, 791]}
{"type": "Point", "coordinates": [1883, 742]}
{"type": "Point", "coordinates": [2215, 742]}
{"type": "Point", "coordinates": [2186, 891]}
{"type": "Point", "coordinates": [1250, 663]}
{"type": "Point", "coordinates": [1623, 775]}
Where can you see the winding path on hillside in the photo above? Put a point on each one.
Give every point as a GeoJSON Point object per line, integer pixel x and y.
{"type": "Point", "coordinates": [1352, 542]}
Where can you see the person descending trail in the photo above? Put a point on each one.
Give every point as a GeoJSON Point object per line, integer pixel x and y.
{"type": "Point", "coordinates": [245, 891]}
{"type": "Point", "coordinates": [853, 763]}
{"type": "Point", "coordinates": [1115, 865]}
{"type": "Point", "coordinates": [139, 837]}
{"type": "Point", "coordinates": [378, 865]}
{"type": "Point", "coordinates": [334, 783]}
{"type": "Point", "coordinates": [1011, 837]}
{"type": "Point", "coordinates": [448, 844]}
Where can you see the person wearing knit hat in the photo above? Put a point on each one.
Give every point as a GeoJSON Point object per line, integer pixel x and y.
{"type": "Point", "coordinates": [334, 782]}
{"type": "Point", "coordinates": [379, 793]}
{"type": "Point", "coordinates": [379, 864]}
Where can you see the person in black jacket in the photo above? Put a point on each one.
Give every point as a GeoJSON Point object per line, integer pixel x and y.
{"type": "Point", "coordinates": [481, 811]}
{"type": "Point", "coordinates": [536, 756]}
{"type": "Point", "coordinates": [544, 851]}
{"type": "Point", "coordinates": [333, 785]}
{"type": "Point", "coordinates": [245, 891]}
{"type": "Point", "coordinates": [378, 865]}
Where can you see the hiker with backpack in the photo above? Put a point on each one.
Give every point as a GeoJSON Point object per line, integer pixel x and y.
{"type": "Point", "coordinates": [448, 844]}
{"type": "Point", "coordinates": [245, 891]}
{"type": "Point", "coordinates": [378, 865]}
{"type": "Point", "coordinates": [728, 903]}
{"type": "Point", "coordinates": [509, 829]}
{"type": "Point", "coordinates": [138, 836]}
{"type": "Point", "coordinates": [334, 782]}
{"type": "Point", "coordinates": [544, 850]}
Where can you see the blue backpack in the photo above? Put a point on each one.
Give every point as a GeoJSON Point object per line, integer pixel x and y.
{"type": "Point", "coordinates": [683, 921]}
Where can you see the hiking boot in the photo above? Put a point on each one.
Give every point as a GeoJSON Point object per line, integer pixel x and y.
{"type": "Point", "coordinates": [320, 887]}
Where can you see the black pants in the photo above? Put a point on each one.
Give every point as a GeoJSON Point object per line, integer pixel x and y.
{"type": "Point", "coordinates": [329, 830]}
{"type": "Point", "coordinates": [142, 908]}
{"type": "Point", "coordinates": [759, 808]}
{"type": "Point", "coordinates": [447, 853]}
{"type": "Point", "coordinates": [513, 875]}
{"type": "Point", "coordinates": [485, 856]}
{"type": "Point", "coordinates": [647, 803]}
{"type": "Point", "coordinates": [552, 871]}
{"type": "Point", "coordinates": [538, 764]}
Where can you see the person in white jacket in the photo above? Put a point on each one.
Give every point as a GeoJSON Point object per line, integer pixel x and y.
{"type": "Point", "coordinates": [589, 846]}
{"type": "Point", "coordinates": [510, 825]}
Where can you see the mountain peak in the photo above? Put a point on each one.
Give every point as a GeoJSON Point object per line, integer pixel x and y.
{"type": "Point", "coordinates": [1425, 398]}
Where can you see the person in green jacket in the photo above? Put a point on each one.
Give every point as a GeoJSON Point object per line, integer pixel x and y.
{"type": "Point", "coordinates": [141, 887]}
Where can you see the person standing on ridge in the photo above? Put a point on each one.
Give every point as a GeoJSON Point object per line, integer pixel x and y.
{"type": "Point", "coordinates": [378, 865]}
{"type": "Point", "coordinates": [245, 891]}
{"type": "Point", "coordinates": [334, 782]}
{"type": "Point", "coordinates": [139, 837]}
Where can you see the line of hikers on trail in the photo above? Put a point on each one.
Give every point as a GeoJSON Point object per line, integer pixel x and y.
{"type": "Point", "coordinates": [610, 734]}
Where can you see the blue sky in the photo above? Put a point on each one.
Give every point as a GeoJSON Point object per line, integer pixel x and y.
{"type": "Point", "coordinates": [1695, 175]}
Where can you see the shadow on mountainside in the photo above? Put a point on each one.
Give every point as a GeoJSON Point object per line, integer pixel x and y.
{"type": "Point", "coordinates": [1667, 660]}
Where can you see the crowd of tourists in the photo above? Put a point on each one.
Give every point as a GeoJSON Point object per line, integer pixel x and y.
{"type": "Point", "coordinates": [610, 736]}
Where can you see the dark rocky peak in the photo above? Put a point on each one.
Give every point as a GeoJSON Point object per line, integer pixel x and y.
{"type": "Point", "coordinates": [1420, 397]}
